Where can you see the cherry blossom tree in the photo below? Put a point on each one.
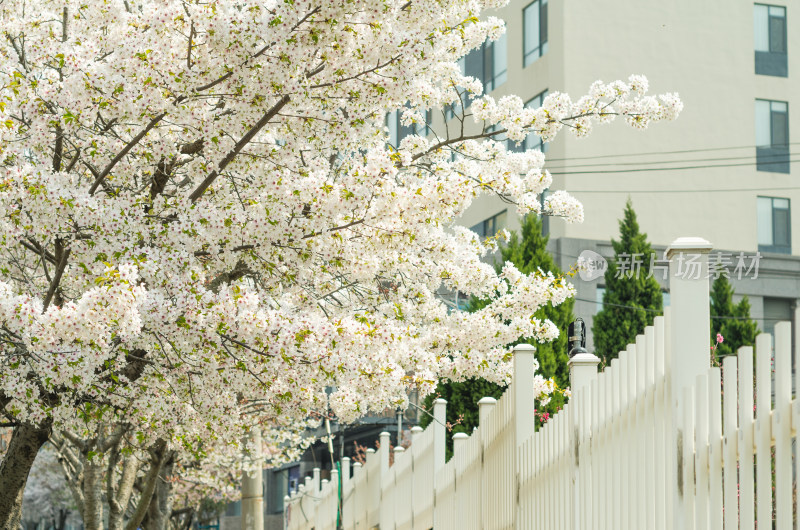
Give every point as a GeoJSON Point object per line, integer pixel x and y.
{"type": "Point", "coordinates": [117, 482]}
{"type": "Point", "coordinates": [203, 220]}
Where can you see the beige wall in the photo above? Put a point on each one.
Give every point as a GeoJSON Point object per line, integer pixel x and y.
{"type": "Point", "coordinates": [703, 50]}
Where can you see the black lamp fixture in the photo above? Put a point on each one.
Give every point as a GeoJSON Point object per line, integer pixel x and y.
{"type": "Point", "coordinates": [577, 338]}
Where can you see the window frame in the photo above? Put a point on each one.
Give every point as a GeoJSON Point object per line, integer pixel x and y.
{"type": "Point", "coordinates": [531, 56]}
{"type": "Point", "coordinates": [772, 157]}
{"type": "Point", "coordinates": [769, 61]}
{"type": "Point", "coordinates": [528, 143]}
{"type": "Point", "coordinates": [480, 227]}
{"type": "Point", "coordinates": [772, 223]}
{"type": "Point", "coordinates": [398, 131]}
{"type": "Point", "coordinates": [481, 64]}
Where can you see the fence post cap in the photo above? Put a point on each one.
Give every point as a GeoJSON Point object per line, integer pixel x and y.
{"type": "Point", "coordinates": [416, 428]}
{"type": "Point", "coordinates": [488, 400]}
{"type": "Point", "coordinates": [440, 401]}
{"type": "Point", "coordinates": [522, 348]}
{"type": "Point", "coordinates": [370, 450]}
{"type": "Point", "coordinates": [682, 244]}
{"type": "Point", "coordinates": [385, 434]}
{"type": "Point", "coordinates": [460, 436]}
{"type": "Point", "coordinates": [584, 359]}
{"type": "Point", "coordinates": [399, 449]}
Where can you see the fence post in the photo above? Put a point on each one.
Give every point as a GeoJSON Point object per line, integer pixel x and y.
{"type": "Point", "coordinates": [582, 371]}
{"type": "Point", "coordinates": [459, 439]}
{"type": "Point", "coordinates": [439, 433]}
{"type": "Point", "coordinates": [524, 406]}
{"type": "Point", "coordinates": [315, 481]}
{"type": "Point", "coordinates": [345, 471]}
{"type": "Point", "coordinates": [485, 407]}
{"type": "Point", "coordinates": [383, 451]}
{"type": "Point", "coordinates": [286, 510]}
{"type": "Point", "coordinates": [416, 430]}
{"type": "Point", "coordinates": [690, 344]}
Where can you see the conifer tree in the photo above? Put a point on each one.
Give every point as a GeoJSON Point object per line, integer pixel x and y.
{"type": "Point", "coordinates": [730, 320]}
{"type": "Point", "coordinates": [632, 297]}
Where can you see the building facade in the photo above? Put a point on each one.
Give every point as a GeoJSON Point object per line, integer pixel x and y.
{"type": "Point", "coordinates": [725, 170]}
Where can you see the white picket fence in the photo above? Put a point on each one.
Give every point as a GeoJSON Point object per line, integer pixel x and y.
{"type": "Point", "coordinates": [659, 440]}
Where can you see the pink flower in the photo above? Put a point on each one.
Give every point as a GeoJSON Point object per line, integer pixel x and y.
{"type": "Point", "coordinates": [720, 338]}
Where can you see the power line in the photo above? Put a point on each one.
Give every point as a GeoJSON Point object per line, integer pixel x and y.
{"type": "Point", "coordinates": [710, 190]}
{"type": "Point", "coordinates": [677, 161]}
{"type": "Point", "coordinates": [653, 153]}
{"type": "Point", "coordinates": [681, 168]}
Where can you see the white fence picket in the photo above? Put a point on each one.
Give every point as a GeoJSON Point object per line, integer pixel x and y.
{"type": "Point", "coordinates": [715, 449]}
{"type": "Point", "coordinates": [730, 445]}
{"type": "Point", "coordinates": [701, 463]}
{"type": "Point", "coordinates": [746, 442]}
{"type": "Point", "coordinates": [782, 426]}
{"type": "Point", "coordinates": [763, 431]}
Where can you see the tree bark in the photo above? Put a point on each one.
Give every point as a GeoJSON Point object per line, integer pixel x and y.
{"type": "Point", "coordinates": [160, 510]}
{"type": "Point", "coordinates": [62, 518]}
{"type": "Point", "coordinates": [93, 494]}
{"type": "Point", "coordinates": [25, 444]}
{"type": "Point", "coordinates": [119, 503]}
{"type": "Point", "coordinates": [157, 457]}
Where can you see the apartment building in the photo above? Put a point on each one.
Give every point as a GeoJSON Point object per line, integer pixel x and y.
{"type": "Point", "coordinates": [726, 170]}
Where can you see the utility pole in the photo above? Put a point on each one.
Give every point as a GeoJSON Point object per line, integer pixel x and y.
{"type": "Point", "coordinates": [252, 483]}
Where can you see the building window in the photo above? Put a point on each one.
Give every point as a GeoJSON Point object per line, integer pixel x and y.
{"type": "Point", "coordinates": [545, 218]}
{"type": "Point", "coordinates": [456, 108]}
{"type": "Point", "coordinates": [770, 40]}
{"type": "Point", "coordinates": [600, 294]}
{"type": "Point", "coordinates": [398, 131]}
{"type": "Point", "coordinates": [774, 222]}
{"type": "Point", "coordinates": [776, 310]}
{"type": "Point", "coordinates": [534, 30]}
{"type": "Point", "coordinates": [532, 141]}
{"type": "Point", "coordinates": [489, 64]}
{"type": "Point", "coordinates": [293, 479]}
{"type": "Point", "coordinates": [233, 509]}
{"type": "Point", "coordinates": [772, 136]}
{"type": "Point", "coordinates": [489, 227]}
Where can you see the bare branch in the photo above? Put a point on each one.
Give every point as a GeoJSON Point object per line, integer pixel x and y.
{"type": "Point", "coordinates": [246, 139]}
{"type": "Point", "coordinates": [130, 145]}
{"type": "Point", "coordinates": [62, 264]}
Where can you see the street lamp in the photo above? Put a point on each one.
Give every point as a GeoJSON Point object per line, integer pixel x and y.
{"type": "Point", "coordinates": [577, 338]}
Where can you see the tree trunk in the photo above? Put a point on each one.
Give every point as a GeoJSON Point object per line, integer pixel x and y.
{"type": "Point", "coordinates": [93, 494]}
{"type": "Point", "coordinates": [118, 504]}
{"type": "Point", "coordinates": [25, 444]}
{"type": "Point", "coordinates": [157, 458]}
{"type": "Point", "coordinates": [62, 518]}
{"type": "Point", "coordinates": [160, 510]}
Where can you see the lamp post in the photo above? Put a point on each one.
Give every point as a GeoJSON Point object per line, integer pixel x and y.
{"type": "Point", "coordinates": [577, 338]}
{"type": "Point", "coordinates": [582, 364]}
{"type": "Point", "coordinates": [252, 485]}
